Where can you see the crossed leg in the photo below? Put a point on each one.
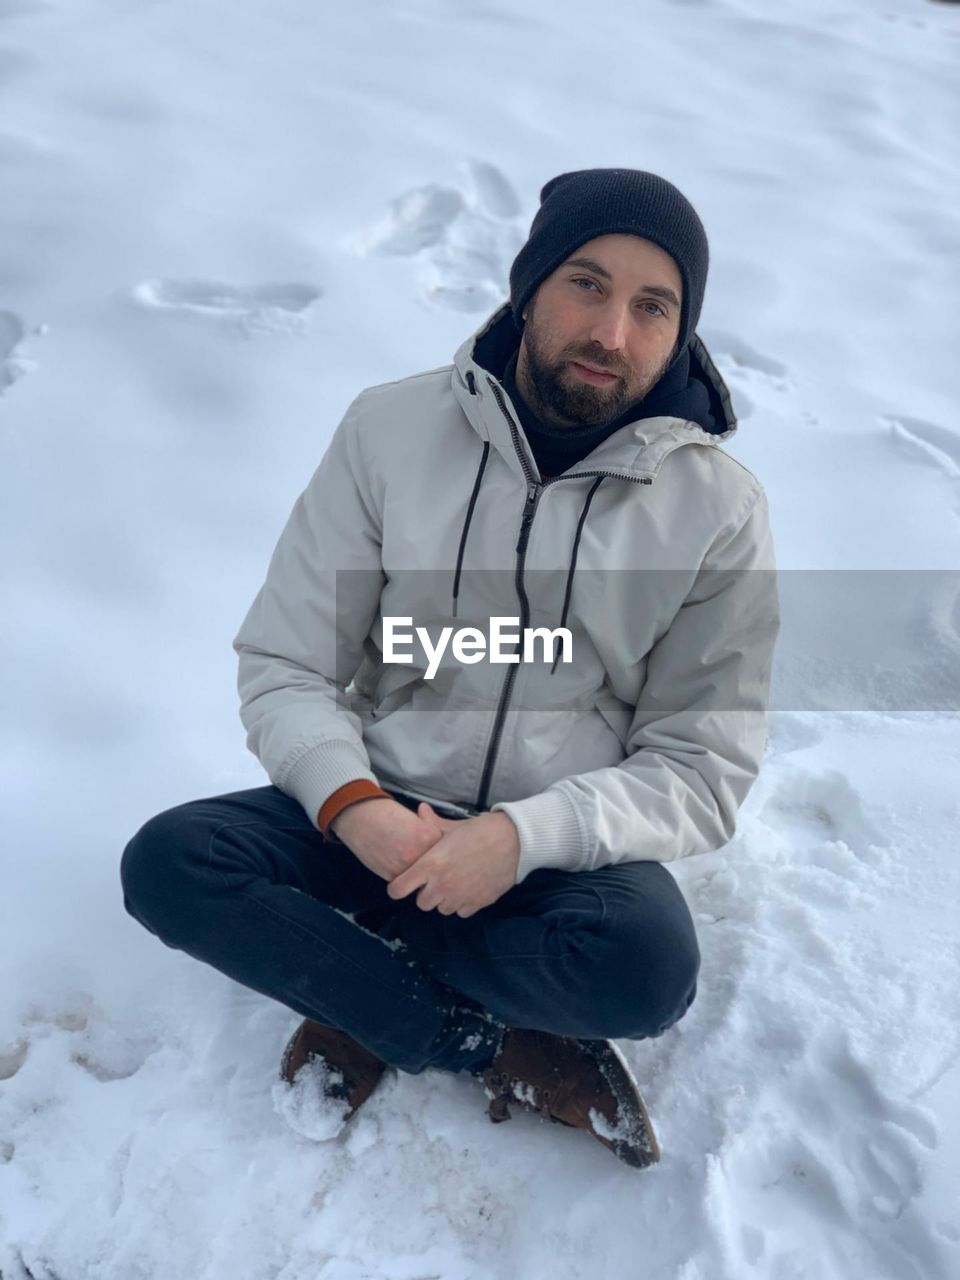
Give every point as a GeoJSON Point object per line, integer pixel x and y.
{"type": "Point", "coordinates": [245, 883]}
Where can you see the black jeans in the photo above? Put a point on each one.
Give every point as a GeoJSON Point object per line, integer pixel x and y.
{"type": "Point", "coordinates": [245, 883]}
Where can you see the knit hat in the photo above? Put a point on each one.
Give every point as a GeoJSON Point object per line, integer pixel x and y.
{"type": "Point", "coordinates": [578, 206]}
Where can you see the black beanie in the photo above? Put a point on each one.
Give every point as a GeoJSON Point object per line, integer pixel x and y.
{"type": "Point", "coordinates": [576, 207]}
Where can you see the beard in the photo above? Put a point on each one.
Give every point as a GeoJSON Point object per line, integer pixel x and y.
{"type": "Point", "coordinates": [564, 398]}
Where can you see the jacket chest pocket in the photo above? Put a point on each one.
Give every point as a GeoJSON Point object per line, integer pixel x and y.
{"type": "Point", "coordinates": [394, 688]}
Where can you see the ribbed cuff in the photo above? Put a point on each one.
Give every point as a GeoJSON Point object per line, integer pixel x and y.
{"type": "Point", "coordinates": [344, 797]}
{"type": "Point", "coordinates": [323, 770]}
{"type": "Point", "coordinates": [551, 832]}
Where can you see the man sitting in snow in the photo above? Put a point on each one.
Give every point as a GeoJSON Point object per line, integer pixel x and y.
{"type": "Point", "coordinates": [466, 872]}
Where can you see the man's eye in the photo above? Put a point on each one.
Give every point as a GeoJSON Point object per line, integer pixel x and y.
{"type": "Point", "coordinates": [658, 307]}
{"type": "Point", "coordinates": [582, 280]}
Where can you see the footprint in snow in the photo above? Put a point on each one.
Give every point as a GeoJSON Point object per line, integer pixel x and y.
{"type": "Point", "coordinates": [746, 369]}
{"type": "Point", "coordinates": [12, 1058]}
{"type": "Point", "coordinates": [259, 308]}
{"type": "Point", "coordinates": [928, 442]}
{"type": "Point", "coordinates": [827, 1145]}
{"type": "Point", "coordinates": [465, 237]}
{"type": "Point", "coordinates": [791, 731]}
{"type": "Point", "coordinates": [13, 362]}
{"type": "Point", "coordinates": [822, 809]}
{"type": "Point", "coordinates": [99, 1045]}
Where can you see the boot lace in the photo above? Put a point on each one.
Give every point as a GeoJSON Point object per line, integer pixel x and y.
{"type": "Point", "coordinates": [504, 1083]}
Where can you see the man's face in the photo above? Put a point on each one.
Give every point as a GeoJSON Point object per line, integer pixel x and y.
{"type": "Point", "coordinates": [614, 304]}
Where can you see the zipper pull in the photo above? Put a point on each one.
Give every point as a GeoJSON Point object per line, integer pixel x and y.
{"type": "Point", "coordinates": [533, 492]}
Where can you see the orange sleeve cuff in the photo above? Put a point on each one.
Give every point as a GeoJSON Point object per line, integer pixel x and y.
{"type": "Point", "coordinates": [361, 789]}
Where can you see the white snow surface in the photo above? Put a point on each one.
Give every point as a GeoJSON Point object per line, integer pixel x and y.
{"type": "Point", "coordinates": [218, 221]}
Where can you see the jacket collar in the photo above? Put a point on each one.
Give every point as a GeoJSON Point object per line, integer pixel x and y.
{"type": "Point", "coordinates": [636, 449]}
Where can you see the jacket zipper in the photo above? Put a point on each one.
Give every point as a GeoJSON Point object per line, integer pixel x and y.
{"type": "Point", "coordinates": [534, 489]}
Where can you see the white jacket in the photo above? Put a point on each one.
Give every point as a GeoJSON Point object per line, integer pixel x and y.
{"type": "Point", "coordinates": [655, 551]}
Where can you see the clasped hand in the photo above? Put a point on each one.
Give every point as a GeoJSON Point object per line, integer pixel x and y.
{"type": "Point", "coordinates": [458, 864]}
{"type": "Point", "coordinates": [471, 865]}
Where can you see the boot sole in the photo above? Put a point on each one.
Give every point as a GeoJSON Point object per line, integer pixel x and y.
{"type": "Point", "coordinates": [638, 1146]}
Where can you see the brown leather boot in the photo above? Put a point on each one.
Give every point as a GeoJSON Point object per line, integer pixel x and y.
{"type": "Point", "coordinates": [585, 1084]}
{"type": "Point", "coordinates": [354, 1071]}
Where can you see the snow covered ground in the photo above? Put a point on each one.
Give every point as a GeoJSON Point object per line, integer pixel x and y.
{"type": "Point", "coordinates": [219, 220]}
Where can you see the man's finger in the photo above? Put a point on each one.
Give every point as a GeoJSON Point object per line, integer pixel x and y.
{"type": "Point", "coordinates": [426, 900]}
{"type": "Point", "coordinates": [429, 814]}
{"type": "Point", "coordinates": [407, 881]}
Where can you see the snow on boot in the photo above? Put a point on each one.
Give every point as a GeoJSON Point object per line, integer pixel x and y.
{"type": "Point", "coordinates": [585, 1084]}
{"type": "Point", "coordinates": [331, 1075]}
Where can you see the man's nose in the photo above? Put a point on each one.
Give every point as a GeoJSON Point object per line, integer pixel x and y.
{"type": "Point", "coordinates": [610, 327]}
